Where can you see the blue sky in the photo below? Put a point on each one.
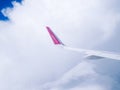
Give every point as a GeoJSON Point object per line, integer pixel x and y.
{"type": "Point", "coordinates": [6, 4]}
{"type": "Point", "coordinates": [30, 61]}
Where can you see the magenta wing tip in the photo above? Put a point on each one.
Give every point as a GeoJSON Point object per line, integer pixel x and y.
{"type": "Point", "coordinates": [54, 37]}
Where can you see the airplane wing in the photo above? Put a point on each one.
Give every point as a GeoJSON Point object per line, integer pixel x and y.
{"type": "Point", "coordinates": [89, 54]}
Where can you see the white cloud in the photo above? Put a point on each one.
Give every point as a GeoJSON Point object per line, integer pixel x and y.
{"type": "Point", "coordinates": [28, 58]}
{"type": "Point", "coordinates": [85, 19]}
{"type": "Point", "coordinates": [81, 77]}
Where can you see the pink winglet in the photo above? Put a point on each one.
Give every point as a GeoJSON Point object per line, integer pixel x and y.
{"type": "Point", "coordinates": [54, 37]}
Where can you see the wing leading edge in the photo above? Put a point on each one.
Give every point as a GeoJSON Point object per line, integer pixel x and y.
{"type": "Point", "coordinates": [89, 54]}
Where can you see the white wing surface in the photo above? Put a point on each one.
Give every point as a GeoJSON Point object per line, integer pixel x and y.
{"type": "Point", "coordinates": [89, 54]}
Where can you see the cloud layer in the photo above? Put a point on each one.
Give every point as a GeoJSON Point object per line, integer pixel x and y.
{"type": "Point", "coordinates": [29, 61]}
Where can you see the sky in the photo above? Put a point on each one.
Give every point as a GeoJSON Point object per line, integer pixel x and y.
{"type": "Point", "coordinates": [6, 4]}
{"type": "Point", "coordinates": [30, 61]}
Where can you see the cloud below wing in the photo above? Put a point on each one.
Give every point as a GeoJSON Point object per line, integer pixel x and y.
{"type": "Point", "coordinates": [82, 76]}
